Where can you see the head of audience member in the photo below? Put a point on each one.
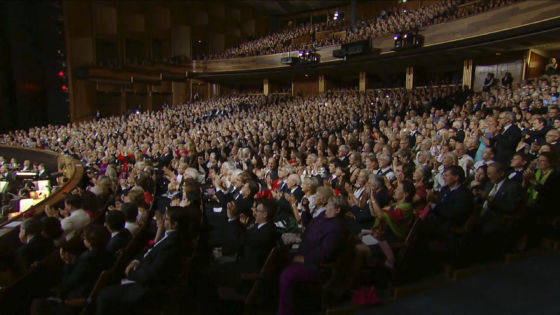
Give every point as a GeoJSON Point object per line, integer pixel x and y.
{"type": "Point", "coordinates": [264, 211]}
{"type": "Point", "coordinates": [454, 176]}
{"type": "Point", "coordinates": [96, 237]}
{"type": "Point", "coordinates": [69, 251]}
{"type": "Point", "coordinates": [336, 206]}
{"type": "Point", "coordinates": [51, 228]}
{"type": "Point", "coordinates": [71, 203]}
{"type": "Point", "coordinates": [130, 211]}
{"type": "Point", "coordinates": [496, 172]}
{"type": "Point", "coordinates": [29, 228]}
{"type": "Point", "coordinates": [404, 192]}
{"type": "Point", "coordinates": [322, 196]}
{"type": "Point", "coordinates": [519, 161]}
{"type": "Point", "coordinates": [114, 221]}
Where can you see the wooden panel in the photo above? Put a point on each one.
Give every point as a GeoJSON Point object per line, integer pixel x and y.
{"type": "Point", "coordinates": [164, 87]}
{"type": "Point", "coordinates": [305, 87]}
{"type": "Point", "coordinates": [135, 101]}
{"type": "Point", "coordinates": [83, 105]}
{"type": "Point", "coordinates": [78, 15]}
{"type": "Point", "coordinates": [82, 51]}
{"type": "Point", "coordinates": [159, 99]}
{"type": "Point", "coordinates": [179, 90]}
{"type": "Point", "coordinates": [536, 64]}
{"type": "Point", "coordinates": [134, 23]}
{"type": "Point", "coordinates": [161, 18]}
{"type": "Point", "coordinates": [108, 104]}
{"type": "Point", "coordinates": [181, 41]}
{"type": "Point", "coordinates": [104, 19]}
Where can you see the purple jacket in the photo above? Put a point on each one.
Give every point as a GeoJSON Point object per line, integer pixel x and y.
{"type": "Point", "coordinates": [323, 239]}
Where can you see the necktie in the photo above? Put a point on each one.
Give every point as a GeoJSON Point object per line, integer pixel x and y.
{"type": "Point", "coordinates": [491, 196]}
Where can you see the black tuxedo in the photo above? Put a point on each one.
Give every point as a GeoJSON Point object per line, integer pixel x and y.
{"type": "Point", "coordinates": [298, 193]}
{"type": "Point", "coordinates": [160, 263]}
{"type": "Point", "coordinates": [283, 186]}
{"type": "Point", "coordinates": [119, 241]}
{"type": "Point", "coordinates": [506, 143]}
{"type": "Point", "coordinates": [516, 177]}
{"type": "Point", "coordinates": [273, 174]}
{"type": "Point", "coordinates": [333, 182]}
{"type": "Point", "coordinates": [253, 244]}
{"type": "Point", "coordinates": [43, 176]}
{"type": "Point", "coordinates": [36, 249]}
{"type": "Point", "coordinates": [78, 279]}
{"type": "Point", "coordinates": [244, 206]}
{"type": "Point", "coordinates": [505, 202]}
{"type": "Point", "coordinates": [345, 161]}
{"type": "Point", "coordinates": [159, 266]}
{"type": "Point", "coordinates": [453, 207]}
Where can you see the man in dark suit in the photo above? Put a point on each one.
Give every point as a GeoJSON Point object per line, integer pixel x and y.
{"type": "Point", "coordinates": [114, 222]}
{"type": "Point", "coordinates": [293, 187]}
{"type": "Point", "coordinates": [42, 174]}
{"type": "Point", "coordinates": [455, 201]}
{"type": "Point", "coordinates": [506, 142]}
{"type": "Point", "coordinates": [343, 151]}
{"type": "Point", "coordinates": [253, 244]}
{"type": "Point", "coordinates": [518, 164]}
{"type": "Point", "coordinates": [35, 247]}
{"type": "Point", "coordinates": [502, 203]}
{"type": "Point", "coordinates": [245, 201]}
{"type": "Point", "coordinates": [78, 275]}
{"type": "Point", "coordinates": [157, 267]}
{"type": "Point", "coordinates": [271, 170]}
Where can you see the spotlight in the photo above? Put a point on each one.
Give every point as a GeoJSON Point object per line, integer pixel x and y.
{"type": "Point", "coordinates": [396, 37]}
{"type": "Point", "coordinates": [64, 88]}
{"type": "Point", "coordinates": [60, 73]}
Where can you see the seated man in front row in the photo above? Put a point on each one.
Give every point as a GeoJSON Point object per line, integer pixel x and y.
{"type": "Point", "coordinates": [255, 243]}
{"type": "Point", "coordinates": [157, 267]}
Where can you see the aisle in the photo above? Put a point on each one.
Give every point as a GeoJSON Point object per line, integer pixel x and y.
{"type": "Point", "coordinates": [527, 287]}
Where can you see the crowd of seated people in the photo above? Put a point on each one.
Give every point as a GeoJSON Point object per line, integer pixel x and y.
{"type": "Point", "coordinates": [388, 22]}
{"type": "Point", "coordinates": [309, 173]}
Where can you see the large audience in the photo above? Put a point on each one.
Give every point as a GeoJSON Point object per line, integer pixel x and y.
{"type": "Point", "coordinates": [476, 169]}
{"type": "Point", "coordinates": [389, 22]}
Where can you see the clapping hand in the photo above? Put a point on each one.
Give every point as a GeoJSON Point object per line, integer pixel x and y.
{"type": "Point", "coordinates": [231, 210]}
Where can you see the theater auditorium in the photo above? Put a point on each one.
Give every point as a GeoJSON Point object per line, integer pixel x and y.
{"type": "Point", "coordinates": [279, 157]}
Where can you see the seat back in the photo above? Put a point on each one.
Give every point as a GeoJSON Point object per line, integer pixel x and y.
{"type": "Point", "coordinates": [270, 270]}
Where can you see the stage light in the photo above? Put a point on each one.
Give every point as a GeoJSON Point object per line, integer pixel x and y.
{"type": "Point", "coordinates": [396, 37]}
{"type": "Point", "coordinates": [60, 73]}
{"type": "Point", "coordinates": [64, 88]}
{"type": "Point", "coordinates": [406, 35]}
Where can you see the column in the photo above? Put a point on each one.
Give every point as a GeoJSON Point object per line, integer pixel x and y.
{"type": "Point", "coordinates": [179, 90]}
{"type": "Point", "coordinates": [322, 83]}
{"type": "Point", "coordinates": [409, 78]}
{"type": "Point", "coordinates": [467, 73]}
{"type": "Point", "coordinates": [266, 88]}
{"type": "Point", "coordinates": [149, 100]}
{"type": "Point", "coordinates": [363, 81]}
{"type": "Point", "coordinates": [353, 12]}
{"type": "Point", "coordinates": [214, 90]}
{"type": "Point", "coordinates": [123, 100]}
